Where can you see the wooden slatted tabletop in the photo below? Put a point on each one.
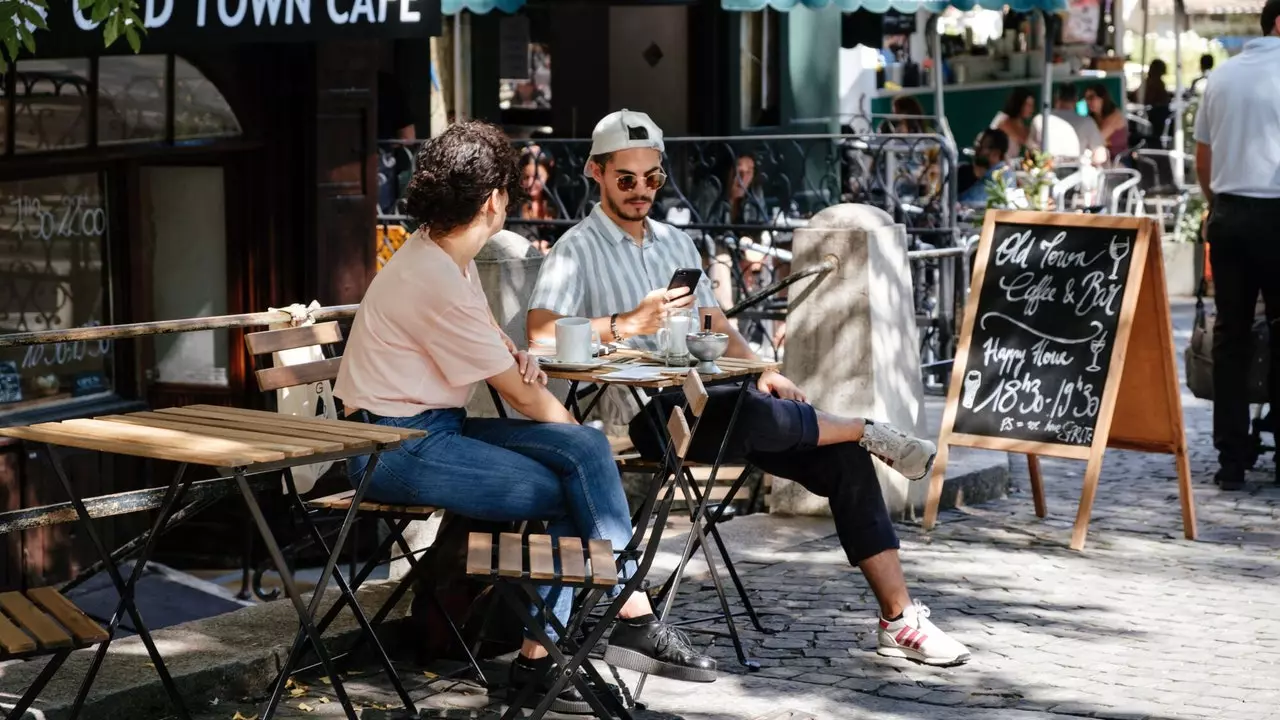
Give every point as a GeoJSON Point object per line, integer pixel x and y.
{"type": "Point", "coordinates": [730, 367]}
{"type": "Point", "coordinates": [216, 436]}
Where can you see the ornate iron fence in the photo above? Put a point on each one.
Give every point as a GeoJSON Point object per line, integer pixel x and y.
{"type": "Point", "coordinates": [740, 198]}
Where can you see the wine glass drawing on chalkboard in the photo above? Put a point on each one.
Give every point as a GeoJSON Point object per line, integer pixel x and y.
{"type": "Point", "coordinates": [1119, 249]}
{"type": "Point", "coordinates": [1096, 347]}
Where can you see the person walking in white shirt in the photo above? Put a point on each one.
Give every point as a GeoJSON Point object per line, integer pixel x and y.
{"type": "Point", "coordinates": [1238, 166]}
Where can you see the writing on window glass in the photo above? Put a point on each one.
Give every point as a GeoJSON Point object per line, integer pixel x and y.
{"type": "Point", "coordinates": [73, 216]}
{"type": "Point", "coordinates": [53, 277]}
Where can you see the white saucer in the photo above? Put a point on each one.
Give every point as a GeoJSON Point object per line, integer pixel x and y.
{"type": "Point", "coordinates": [553, 364]}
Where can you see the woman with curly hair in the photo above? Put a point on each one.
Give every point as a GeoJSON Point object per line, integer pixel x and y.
{"type": "Point", "coordinates": [424, 337]}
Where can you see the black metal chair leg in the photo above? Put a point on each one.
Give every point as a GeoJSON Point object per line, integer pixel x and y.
{"type": "Point", "coordinates": [295, 598]}
{"type": "Point", "coordinates": [33, 690]}
{"type": "Point", "coordinates": [246, 567]}
{"type": "Point", "coordinates": [177, 487]}
{"type": "Point", "coordinates": [348, 594]}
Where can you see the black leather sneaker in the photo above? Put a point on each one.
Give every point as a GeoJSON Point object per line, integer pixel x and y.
{"type": "Point", "coordinates": [1229, 478]}
{"type": "Point", "coordinates": [656, 648]}
{"type": "Point", "coordinates": [525, 671]}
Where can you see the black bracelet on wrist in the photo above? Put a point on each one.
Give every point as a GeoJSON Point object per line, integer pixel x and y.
{"type": "Point", "coordinates": [613, 328]}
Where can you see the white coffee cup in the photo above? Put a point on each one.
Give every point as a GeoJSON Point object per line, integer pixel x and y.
{"type": "Point", "coordinates": [575, 340]}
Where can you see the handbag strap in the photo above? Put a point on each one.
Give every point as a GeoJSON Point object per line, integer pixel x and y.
{"type": "Point", "coordinates": [1202, 285]}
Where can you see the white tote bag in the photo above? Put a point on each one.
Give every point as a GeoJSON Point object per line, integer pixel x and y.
{"type": "Point", "coordinates": [314, 400]}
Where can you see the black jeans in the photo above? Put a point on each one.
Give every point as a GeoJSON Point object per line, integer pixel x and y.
{"type": "Point", "coordinates": [780, 437]}
{"type": "Point", "coordinates": [1244, 237]}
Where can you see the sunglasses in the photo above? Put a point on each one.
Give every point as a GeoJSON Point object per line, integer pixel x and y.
{"type": "Point", "coordinates": [654, 180]}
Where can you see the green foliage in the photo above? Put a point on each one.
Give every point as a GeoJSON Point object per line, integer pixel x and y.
{"type": "Point", "coordinates": [20, 19]}
{"type": "Point", "coordinates": [1189, 229]}
{"type": "Point", "coordinates": [1025, 186]}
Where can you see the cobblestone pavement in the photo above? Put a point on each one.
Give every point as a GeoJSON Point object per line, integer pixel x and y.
{"type": "Point", "coordinates": [1141, 624]}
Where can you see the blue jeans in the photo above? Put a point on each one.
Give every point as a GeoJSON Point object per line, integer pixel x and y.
{"type": "Point", "coordinates": [506, 470]}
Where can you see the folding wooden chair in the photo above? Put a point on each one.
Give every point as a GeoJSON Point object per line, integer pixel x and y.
{"type": "Point", "coordinates": [518, 566]}
{"type": "Point", "coordinates": [41, 622]}
{"type": "Point", "coordinates": [397, 517]}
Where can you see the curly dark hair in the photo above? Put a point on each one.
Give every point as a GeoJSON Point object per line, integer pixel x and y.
{"type": "Point", "coordinates": [457, 171]}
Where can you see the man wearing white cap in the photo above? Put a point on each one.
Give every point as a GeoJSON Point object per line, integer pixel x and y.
{"type": "Point", "coordinates": [614, 268]}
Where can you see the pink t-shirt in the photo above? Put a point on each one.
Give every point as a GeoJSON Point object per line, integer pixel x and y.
{"type": "Point", "coordinates": [422, 338]}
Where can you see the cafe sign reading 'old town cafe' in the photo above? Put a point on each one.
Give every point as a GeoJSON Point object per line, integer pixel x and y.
{"type": "Point", "coordinates": [226, 167]}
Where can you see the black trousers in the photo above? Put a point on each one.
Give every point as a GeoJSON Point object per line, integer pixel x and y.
{"type": "Point", "coordinates": [1244, 237]}
{"type": "Point", "coordinates": [780, 437]}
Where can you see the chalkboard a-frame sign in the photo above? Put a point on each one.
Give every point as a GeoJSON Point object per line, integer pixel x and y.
{"type": "Point", "coordinates": [1066, 350]}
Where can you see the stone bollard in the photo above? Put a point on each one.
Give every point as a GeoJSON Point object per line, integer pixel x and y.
{"type": "Point", "coordinates": [852, 343]}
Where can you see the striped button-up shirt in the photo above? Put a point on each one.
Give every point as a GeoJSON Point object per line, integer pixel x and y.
{"type": "Point", "coordinates": [596, 269]}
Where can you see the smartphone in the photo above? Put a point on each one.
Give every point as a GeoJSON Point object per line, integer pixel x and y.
{"type": "Point", "coordinates": [685, 278]}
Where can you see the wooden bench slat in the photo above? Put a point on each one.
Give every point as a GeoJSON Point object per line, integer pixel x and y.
{"type": "Point", "coordinates": [13, 640]}
{"type": "Point", "coordinates": [160, 436]}
{"type": "Point", "coordinates": [342, 501]}
{"type": "Point", "coordinates": [275, 441]}
{"type": "Point", "coordinates": [572, 566]}
{"type": "Point", "coordinates": [480, 554]}
{"type": "Point", "coordinates": [678, 429]}
{"type": "Point", "coordinates": [327, 436]}
{"type": "Point", "coordinates": [696, 393]}
{"type": "Point", "coordinates": [406, 433]}
{"type": "Point", "coordinates": [271, 341]}
{"type": "Point", "coordinates": [510, 555]}
{"type": "Point", "coordinates": [287, 376]}
{"type": "Point", "coordinates": [41, 626]}
{"type": "Point", "coordinates": [288, 425]}
{"type": "Point", "coordinates": [72, 618]}
{"type": "Point", "coordinates": [67, 438]}
{"type": "Point", "coordinates": [603, 569]}
{"type": "Point", "coordinates": [542, 563]}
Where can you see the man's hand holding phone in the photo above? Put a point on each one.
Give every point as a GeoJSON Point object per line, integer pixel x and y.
{"type": "Point", "coordinates": [647, 317]}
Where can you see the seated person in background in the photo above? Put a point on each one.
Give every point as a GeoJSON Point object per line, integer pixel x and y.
{"type": "Point", "coordinates": [1080, 135]}
{"type": "Point", "coordinates": [988, 160]}
{"type": "Point", "coordinates": [1206, 67]}
{"type": "Point", "coordinates": [1013, 119]}
{"type": "Point", "coordinates": [914, 120]}
{"type": "Point", "coordinates": [614, 267]}
{"type": "Point", "coordinates": [1110, 119]}
{"type": "Point", "coordinates": [535, 173]}
{"type": "Point", "coordinates": [421, 340]}
{"type": "Point", "coordinates": [1156, 97]}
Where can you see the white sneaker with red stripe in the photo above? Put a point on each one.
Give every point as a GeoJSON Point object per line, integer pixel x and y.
{"type": "Point", "coordinates": [915, 638]}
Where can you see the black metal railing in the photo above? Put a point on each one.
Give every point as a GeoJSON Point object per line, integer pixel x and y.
{"type": "Point", "coordinates": [740, 198]}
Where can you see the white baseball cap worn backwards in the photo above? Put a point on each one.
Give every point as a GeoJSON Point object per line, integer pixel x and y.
{"type": "Point", "coordinates": [625, 130]}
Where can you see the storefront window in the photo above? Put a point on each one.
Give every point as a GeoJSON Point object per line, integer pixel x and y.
{"type": "Point", "coordinates": [200, 110]}
{"type": "Point", "coordinates": [51, 109]}
{"type": "Point", "coordinates": [52, 105]}
{"type": "Point", "coordinates": [524, 66]}
{"type": "Point", "coordinates": [52, 277]}
{"type": "Point", "coordinates": [131, 99]}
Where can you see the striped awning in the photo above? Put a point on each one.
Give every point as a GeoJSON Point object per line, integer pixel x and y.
{"type": "Point", "coordinates": [902, 6]}
{"type": "Point", "coordinates": [480, 7]}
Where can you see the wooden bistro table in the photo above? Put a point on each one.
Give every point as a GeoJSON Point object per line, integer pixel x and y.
{"type": "Point", "coordinates": [703, 522]}
{"type": "Point", "coordinates": [238, 443]}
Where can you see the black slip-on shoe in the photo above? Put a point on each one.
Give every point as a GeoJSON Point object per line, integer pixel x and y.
{"type": "Point", "coordinates": [656, 648]}
{"type": "Point", "coordinates": [568, 702]}
{"type": "Point", "coordinates": [1229, 478]}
